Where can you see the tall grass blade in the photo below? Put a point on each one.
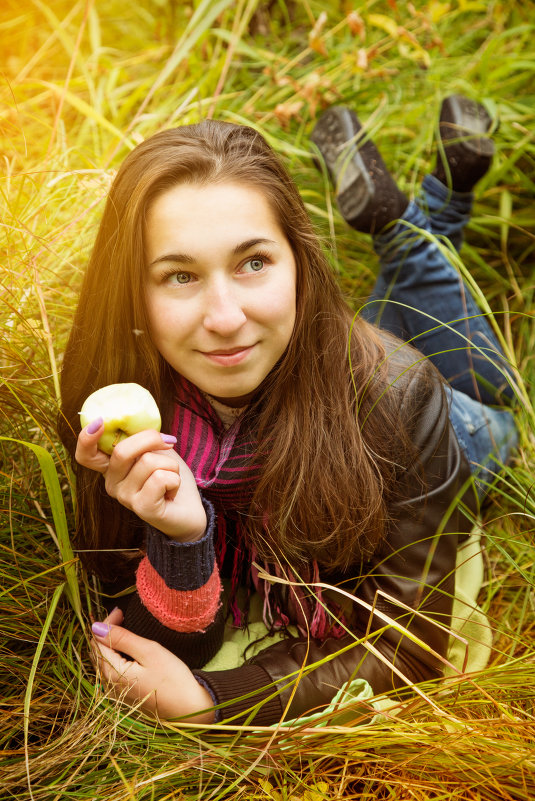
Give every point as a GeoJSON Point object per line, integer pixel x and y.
{"type": "Point", "coordinates": [50, 477]}
{"type": "Point", "coordinates": [37, 656]}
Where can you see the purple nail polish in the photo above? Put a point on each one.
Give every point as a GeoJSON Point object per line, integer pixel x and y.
{"type": "Point", "coordinates": [100, 629]}
{"type": "Point", "coordinates": [169, 438]}
{"type": "Point", "coordinates": [94, 425]}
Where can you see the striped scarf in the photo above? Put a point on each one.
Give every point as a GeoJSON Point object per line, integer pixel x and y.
{"type": "Point", "coordinates": [222, 462]}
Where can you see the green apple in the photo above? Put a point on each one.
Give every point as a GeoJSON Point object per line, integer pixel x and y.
{"type": "Point", "coordinates": [125, 410]}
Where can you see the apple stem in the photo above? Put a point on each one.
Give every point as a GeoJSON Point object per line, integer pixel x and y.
{"type": "Point", "coordinates": [120, 435]}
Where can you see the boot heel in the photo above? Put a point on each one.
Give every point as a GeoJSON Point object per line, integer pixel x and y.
{"type": "Point", "coordinates": [464, 127]}
{"type": "Point", "coordinates": [367, 195]}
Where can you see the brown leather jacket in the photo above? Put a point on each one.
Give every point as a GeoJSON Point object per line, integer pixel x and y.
{"type": "Point", "coordinates": [413, 570]}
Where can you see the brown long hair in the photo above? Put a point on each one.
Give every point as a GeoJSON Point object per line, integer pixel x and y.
{"type": "Point", "coordinates": [327, 475]}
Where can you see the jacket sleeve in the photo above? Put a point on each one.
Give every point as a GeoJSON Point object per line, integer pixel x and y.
{"type": "Point", "coordinates": [415, 569]}
{"type": "Point", "coordinates": [178, 598]}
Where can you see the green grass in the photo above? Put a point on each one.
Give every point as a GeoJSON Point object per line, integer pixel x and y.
{"type": "Point", "coordinates": [82, 84]}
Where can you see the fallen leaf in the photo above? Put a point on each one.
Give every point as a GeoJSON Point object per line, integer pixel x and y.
{"type": "Point", "coordinates": [362, 58]}
{"type": "Point", "coordinates": [315, 41]}
{"type": "Point", "coordinates": [385, 23]}
{"type": "Point", "coordinates": [437, 10]}
{"type": "Point", "coordinates": [356, 25]}
{"type": "Point", "coordinates": [284, 112]}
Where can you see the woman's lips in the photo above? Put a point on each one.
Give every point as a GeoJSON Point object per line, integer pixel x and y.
{"type": "Point", "coordinates": [230, 357]}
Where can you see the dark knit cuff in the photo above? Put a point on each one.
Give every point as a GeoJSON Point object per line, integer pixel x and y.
{"type": "Point", "coordinates": [183, 565]}
{"type": "Point", "coordinates": [231, 685]}
{"type": "Point", "coordinates": [194, 648]}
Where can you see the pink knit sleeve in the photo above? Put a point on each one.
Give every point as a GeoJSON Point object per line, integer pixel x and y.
{"type": "Point", "coordinates": [178, 599]}
{"type": "Point", "coordinates": [179, 583]}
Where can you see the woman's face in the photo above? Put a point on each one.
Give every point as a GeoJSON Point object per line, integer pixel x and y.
{"type": "Point", "coordinates": [220, 286]}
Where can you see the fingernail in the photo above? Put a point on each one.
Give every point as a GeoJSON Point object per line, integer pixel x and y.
{"type": "Point", "coordinates": [100, 629]}
{"type": "Point", "coordinates": [94, 425]}
{"type": "Point", "coordinates": [168, 438]}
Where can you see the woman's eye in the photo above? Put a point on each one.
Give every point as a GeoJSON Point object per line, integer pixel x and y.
{"type": "Point", "coordinates": [179, 278]}
{"type": "Point", "coordinates": [253, 265]}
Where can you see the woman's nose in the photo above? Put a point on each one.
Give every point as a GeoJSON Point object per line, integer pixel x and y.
{"type": "Point", "coordinates": [223, 314]}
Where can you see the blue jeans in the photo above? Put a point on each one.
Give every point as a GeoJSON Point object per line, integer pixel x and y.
{"type": "Point", "coordinates": [420, 296]}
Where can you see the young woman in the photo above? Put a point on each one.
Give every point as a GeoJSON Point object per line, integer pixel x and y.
{"type": "Point", "coordinates": [302, 439]}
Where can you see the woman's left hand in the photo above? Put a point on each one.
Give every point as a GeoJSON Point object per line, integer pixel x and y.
{"type": "Point", "coordinates": [156, 677]}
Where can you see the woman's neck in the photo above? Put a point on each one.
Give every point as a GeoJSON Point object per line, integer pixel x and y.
{"type": "Point", "coordinates": [227, 414]}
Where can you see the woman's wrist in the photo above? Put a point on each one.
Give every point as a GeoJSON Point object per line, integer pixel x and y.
{"type": "Point", "coordinates": [200, 524]}
{"type": "Point", "coordinates": [189, 532]}
{"type": "Point", "coordinates": [203, 700]}
{"type": "Point", "coordinates": [187, 538]}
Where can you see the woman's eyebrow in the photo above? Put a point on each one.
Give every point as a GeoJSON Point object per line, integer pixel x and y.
{"type": "Point", "coordinates": [184, 258]}
{"type": "Point", "coordinates": [251, 243]}
{"type": "Point", "coordinates": [180, 258]}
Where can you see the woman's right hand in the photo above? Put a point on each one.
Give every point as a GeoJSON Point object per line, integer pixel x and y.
{"type": "Point", "coordinates": [146, 475]}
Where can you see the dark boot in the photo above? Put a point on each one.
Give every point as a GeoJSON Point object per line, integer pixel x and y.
{"type": "Point", "coordinates": [467, 150]}
{"type": "Point", "coordinates": [367, 195]}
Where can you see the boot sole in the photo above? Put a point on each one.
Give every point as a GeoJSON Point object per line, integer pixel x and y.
{"type": "Point", "coordinates": [335, 136]}
{"type": "Point", "coordinates": [464, 125]}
